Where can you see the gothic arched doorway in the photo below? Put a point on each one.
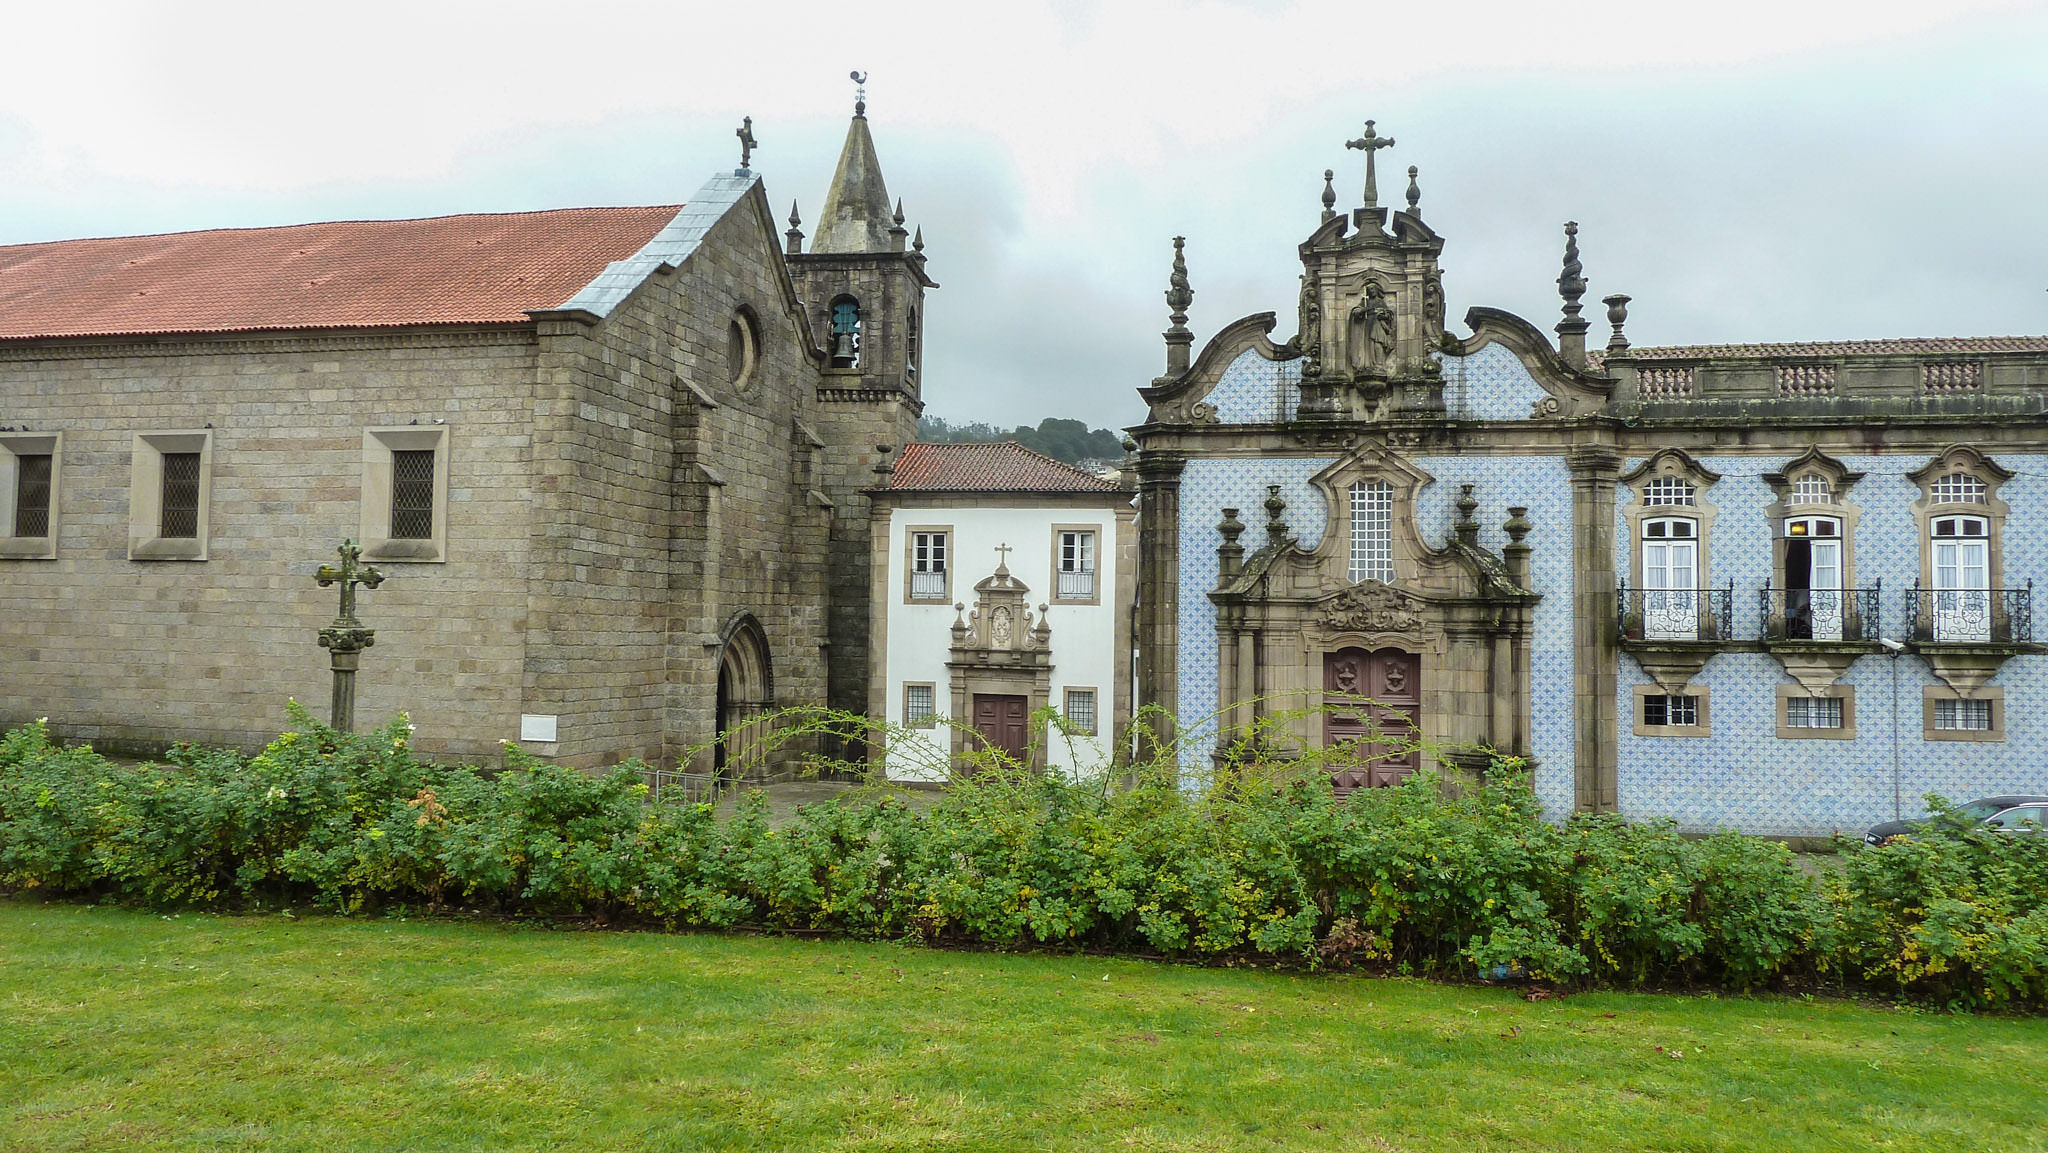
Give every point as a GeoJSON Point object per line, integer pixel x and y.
{"type": "Point", "coordinates": [1372, 698]}
{"type": "Point", "coordinates": [746, 690]}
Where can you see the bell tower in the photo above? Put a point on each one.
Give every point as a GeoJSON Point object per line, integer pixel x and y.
{"type": "Point", "coordinates": [863, 284]}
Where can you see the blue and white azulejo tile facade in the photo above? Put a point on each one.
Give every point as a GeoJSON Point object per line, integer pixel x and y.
{"type": "Point", "coordinates": [1491, 384]}
{"type": "Point", "coordinates": [1208, 486]}
{"type": "Point", "coordinates": [1254, 390]}
{"type": "Point", "coordinates": [1743, 776]}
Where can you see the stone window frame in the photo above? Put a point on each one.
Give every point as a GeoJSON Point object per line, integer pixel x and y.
{"type": "Point", "coordinates": [1333, 554]}
{"type": "Point", "coordinates": [1964, 459]}
{"type": "Point", "coordinates": [1788, 507]}
{"type": "Point", "coordinates": [931, 719]}
{"type": "Point", "coordinates": [14, 446]}
{"type": "Point", "coordinates": [1671, 463]}
{"type": "Point", "coordinates": [1844, 693]}
{"type": "Point", "coordinates": [379, 445]}
{"type": "Point", "coordinates": [1703, 726]}
{"type": "Point", "coordinates": [146, 541]}
{"type": "Point", "coordinates": [746, 326]}
{"type": "Point", "coordinates": [1095, 706]}
{"type": "Point", "coordinates": [910, 532]}
{"type": "Point", "coordinates": [1931, 694]}
{"type": "Point", "coordinates": [1054, 569]}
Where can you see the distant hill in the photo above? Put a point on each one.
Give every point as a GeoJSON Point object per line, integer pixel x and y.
{"type": "Point", "coordinates": [1067, 440]}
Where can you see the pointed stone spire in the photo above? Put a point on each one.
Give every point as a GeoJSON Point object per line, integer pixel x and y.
{"type": "Point", "coordinates": [1178, 297]}
{"type": "Point", "coordinates": [795, 236]}
{"type": "Point", "coordinates": [1571, 331]}
{"type": "Point", "coordinates": [856, 217]}
{"type": "Point", "coordinates": [917, 242]}
{"type": "Point", "coordinates": [896, 231]}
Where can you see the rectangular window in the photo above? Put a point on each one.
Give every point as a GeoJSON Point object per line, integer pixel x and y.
{"type": "Point", "coordinates": [1962, 716]}
{"type": "Point", "coordinates": [1664, 711]}
{"type": "Point", "coordinates": [928, 565]}
{"type": "Point", "coordinates": [1076, 576]}
{"type": "Point", "coordinates": [917, 706]}
{"type": "Point", "coordinates": [1813, 712]}
{"type": "Point", "coordinates": [32, 495]}
{"type": "Point", "coordinates": [180, 508]}
{"type": "Point", "coordinates": [412, 494]}
{"type": "Point", "coordinates": [170, 475]}
{"type": "Point", "coordinates": [1372, 532]}
{"type": "Point", "coordinates": [405, 494]}
{"type": "Point", "coordinates": [1080, 711]}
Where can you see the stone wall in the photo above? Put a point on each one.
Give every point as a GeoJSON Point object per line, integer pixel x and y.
{"type": "Point", "coordinates": [133, 654]}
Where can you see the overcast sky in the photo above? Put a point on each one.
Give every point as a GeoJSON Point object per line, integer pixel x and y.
{"type": "Point", "coordinates": [1746, 170]}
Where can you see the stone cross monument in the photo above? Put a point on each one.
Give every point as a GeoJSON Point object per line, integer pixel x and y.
{"type": "Point", "coordinates": [346, 638]}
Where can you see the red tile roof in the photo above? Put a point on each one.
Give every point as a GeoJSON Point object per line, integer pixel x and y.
{"type": "Point", "coordinates": [1914, 346]}
{"type": "Point", "coordinates": [1003, 467]}
{"type": "Point", "coordinates": [348, 274]}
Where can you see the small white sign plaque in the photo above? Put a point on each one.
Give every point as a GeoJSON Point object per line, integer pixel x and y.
{"type": "Point", "coordinates": [534, 727]}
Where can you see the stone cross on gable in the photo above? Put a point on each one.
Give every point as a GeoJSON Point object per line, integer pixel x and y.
{"type": "Point", "coordinates": [747, 142]}
{"type": "Point", "coordinates": [1369, 144]}
{"type": "Point", "coordinates": [1003, 551]}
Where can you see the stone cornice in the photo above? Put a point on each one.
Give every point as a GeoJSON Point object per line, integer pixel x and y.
{"type": "Point", "coordinates": [242, 343]}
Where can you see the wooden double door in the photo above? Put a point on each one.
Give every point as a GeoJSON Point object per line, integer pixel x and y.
{"type": "Point", "coordinates": [1004, 722]}
{"type": "Point", "coordinates": [1372, 698]}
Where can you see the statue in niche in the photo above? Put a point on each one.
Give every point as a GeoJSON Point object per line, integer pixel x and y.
{"type": "Point", "coordinates": [1311, 337]}
{"type": "Point", "coordinates": [1372, 331]}
{"type": "Point", "coordinates": [999, 627]}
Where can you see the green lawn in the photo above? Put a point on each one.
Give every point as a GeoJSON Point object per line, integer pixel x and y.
{"type": "Point", "coordinates": [134, 1031]}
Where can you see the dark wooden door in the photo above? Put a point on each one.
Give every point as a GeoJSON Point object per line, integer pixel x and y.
{"type": "Point", "coordinates": [1372, 698]}
{"type": "Point", "coordinates": [1003, 722]}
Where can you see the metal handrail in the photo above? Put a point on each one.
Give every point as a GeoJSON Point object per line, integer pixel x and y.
{"type": "Point", "coordinates": [1970, 616]}
{"type": "Point", "coordinates": [1676, 614]}
{"type": "Point", "coordinates": [1846, 614]}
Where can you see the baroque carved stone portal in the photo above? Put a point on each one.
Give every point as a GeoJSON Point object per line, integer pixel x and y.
{"type": "Point", "coordinates": [1371, 607]}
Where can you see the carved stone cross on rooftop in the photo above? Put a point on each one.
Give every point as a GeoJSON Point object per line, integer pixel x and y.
{"type": "Point", "coordinates": [747, 142]}
{"type": "Point", "coordinates": [1003, 551]}
{"type": "Point", "coordinates": [1369, 144]}
{"type": "Point", "coordinates": [346, 638]}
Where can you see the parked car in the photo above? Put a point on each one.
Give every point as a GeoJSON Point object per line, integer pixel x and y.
{"type": "Point", "coordinates": [2006, 814]}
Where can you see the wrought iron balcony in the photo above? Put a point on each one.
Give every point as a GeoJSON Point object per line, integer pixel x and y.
{"type": "Point", "coordinates": [1653, 615]}
{"type": "Point", "coordinates": [928, 585]}
{"type": "Point", "coordinates": [1971, 616]}
{"type": "Point", "coordinates": [1847, 615]}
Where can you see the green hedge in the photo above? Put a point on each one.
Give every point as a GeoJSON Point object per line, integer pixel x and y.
{"type": "Point", "coordinates": [1404, 879]}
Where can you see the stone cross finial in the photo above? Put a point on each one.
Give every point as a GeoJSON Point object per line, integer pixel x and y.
{"type": "Point", "coordinates": [860, 93]}
{"type": "Point", "coordinates": [1369, 144]}
{"type": "Point", "coordinates": [747, 142]}
{"type": "Point", "coordinates": [1003, 551]}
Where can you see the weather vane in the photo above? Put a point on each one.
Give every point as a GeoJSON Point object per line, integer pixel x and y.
{"type": "Point", "coordinates": [860, 95]}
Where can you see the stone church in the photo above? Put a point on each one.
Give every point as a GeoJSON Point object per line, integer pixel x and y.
{"type": "Point", "coordinates": [610, 462]}
{"type": "Point", "coordinates": [1785, 589]}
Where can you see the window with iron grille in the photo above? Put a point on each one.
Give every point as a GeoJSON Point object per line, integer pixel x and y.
{"type": "Point", "coordinates": [918, 709]}
{"type": "Point", "coordinates": [1812, 488]}
{"type": "Point", "coordinates": [1372, 531]}
{"type": "Point", "coordinates": [1963, 716]}
{"type": "Point", "coordinates": [1667, 711]}
{"type": "Point", "coordinates": [1813, 712]}
{"type": "Point", "coordinates": [32, 495]}
{"type": "Point", "coordinates": [1959, 488]}
{"type": "Point", "coordinates": [1666, 490]}
{"type": "Point", "coordinates": [412, 494]}
{"type": "Point", "coordinates": [1080, 711]}
{"type": "Point", "coordinates": [180, 515]}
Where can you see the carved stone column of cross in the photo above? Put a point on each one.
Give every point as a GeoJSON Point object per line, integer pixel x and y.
{"type": "Point", "coordinates": [346, 638]}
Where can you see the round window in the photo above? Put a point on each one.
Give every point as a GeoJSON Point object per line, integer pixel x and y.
{"type": "Point", "coordinates": [741, 349]}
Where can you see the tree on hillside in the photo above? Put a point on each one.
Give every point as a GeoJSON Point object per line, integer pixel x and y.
{"type": "Point", "coordinates": [1068, 440]}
